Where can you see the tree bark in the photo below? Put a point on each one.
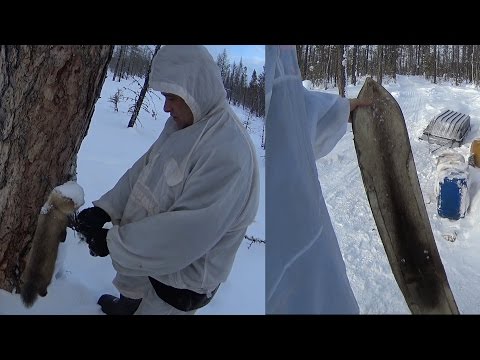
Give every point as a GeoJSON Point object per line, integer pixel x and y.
{"type": "Point", "coordinates": [305, 63]}
{"type": "Point", "coordinates": [367, 71]}
{"type": "Point", "coordinates": [341, 65]}
{"type": "Point", "coordinates": [354, 65]}
{"type": "Point", "coordinates": [47, 99]}
{"type": "Point", "coordinates": [380, 65]}
{"type": "Point", "coordinates": [329, 61]}
{"type": "Point", "coordinates": [394, 58]}
{"type": "Point", "coordinates": [120, 56]}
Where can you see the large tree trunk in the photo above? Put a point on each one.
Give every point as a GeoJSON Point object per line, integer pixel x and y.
{"type": "Point", "coordinates": [341, 66]}
{"type": "Point", "coordinates": [47, 99]}
{"type": "Point", "coordinates": [380, 65]}
{"type": "Point", "coordinates": [329, 61]}
{"type": "Point", "coordinates": [117, 66]}
{"type": "Point", "coordinates": [354, 65]}
{"type": "Point", "coordinates": [305, 63]}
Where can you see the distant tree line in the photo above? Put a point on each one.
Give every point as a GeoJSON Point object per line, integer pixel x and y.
{"type": "Point", "coordinates": [335, 65]}
{"type": "Point", "coordinates": [241, 91]}
{"type": "Point", "coordinates": [135, 60]}
{"type": "Point", "coordinates": [130, 60]}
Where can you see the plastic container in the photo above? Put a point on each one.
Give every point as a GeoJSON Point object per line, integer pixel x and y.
{"type": "Point", "coordinates": [475, 153]}
{"type": "Point", "coordinates": [452, 202]}
{"type": "Point", "coordinates": [452, 186]}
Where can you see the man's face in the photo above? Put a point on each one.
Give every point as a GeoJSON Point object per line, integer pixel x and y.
{"type": "Point", "coordinates": [178, 109]}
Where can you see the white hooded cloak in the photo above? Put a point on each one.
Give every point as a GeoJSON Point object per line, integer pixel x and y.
{"type": "Point", "coordinates": [305, 271]}
{"type": "Point", "coordinates": [181, 211]}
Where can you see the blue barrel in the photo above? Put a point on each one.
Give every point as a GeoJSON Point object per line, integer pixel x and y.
{"type": "Point", "coordinates": [453, 196]}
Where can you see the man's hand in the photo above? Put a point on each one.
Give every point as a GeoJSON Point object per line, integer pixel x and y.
{"type": "Point", "coordinates": [97, 243]}
{"type": "Point", "coordinates": [90, 220]}
{"type": "Point", "coordinates": [354, 103]}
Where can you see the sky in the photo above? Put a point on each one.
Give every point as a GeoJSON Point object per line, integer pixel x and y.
{"type": "Point", "coordinates": [253, 56]}
{"type": "Point", "coordinates": [366, 262]}
{"type": "Point", "coordinates": [108, 150]}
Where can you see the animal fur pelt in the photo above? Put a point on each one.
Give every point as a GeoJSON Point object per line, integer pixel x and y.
{"type": "Point", "coordinates": [51, 230]}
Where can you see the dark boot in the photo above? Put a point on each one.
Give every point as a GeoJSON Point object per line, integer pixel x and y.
{"type": "Point", "coordinates": [112, 305]}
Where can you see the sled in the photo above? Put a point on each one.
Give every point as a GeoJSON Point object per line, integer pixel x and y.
{"type": "Point", "coordinates": [447, 129]}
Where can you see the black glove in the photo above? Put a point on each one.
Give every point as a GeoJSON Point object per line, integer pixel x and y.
{"type": "Point", "coordinates": [90, 220]}
{"type": "Point", "coordinates": [97, 243]}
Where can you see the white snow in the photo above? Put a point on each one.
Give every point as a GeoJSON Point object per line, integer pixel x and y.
{"type": "Point", "coordinates": [72, 190]}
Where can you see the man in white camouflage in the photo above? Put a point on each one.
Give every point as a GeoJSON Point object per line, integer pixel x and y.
{"type": "Point", "coordinates": [180, 213]}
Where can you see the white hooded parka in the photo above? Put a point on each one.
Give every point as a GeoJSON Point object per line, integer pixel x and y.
{"type": "Point", "coordinates": [181, 211]}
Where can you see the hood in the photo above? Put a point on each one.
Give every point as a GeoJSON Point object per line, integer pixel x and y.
{"type": "Point", "coordinates": [190, 72]}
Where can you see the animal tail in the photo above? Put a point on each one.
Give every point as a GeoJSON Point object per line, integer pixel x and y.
{"type": "Point", "coordinates": [29, 293]}
{"type": "Point", "coordinates": [33, 285]}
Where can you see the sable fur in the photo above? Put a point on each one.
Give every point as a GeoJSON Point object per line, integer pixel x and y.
{"type": "Point", "coordinates": [51, 230]}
